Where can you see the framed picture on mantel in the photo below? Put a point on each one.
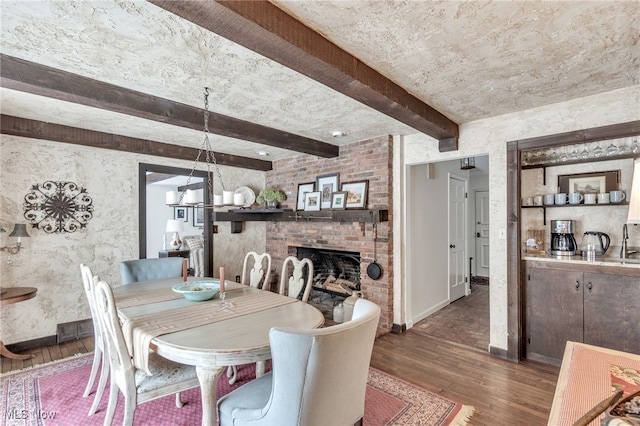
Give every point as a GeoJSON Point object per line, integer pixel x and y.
{"type": "Point", "coordinates": [327, 185]}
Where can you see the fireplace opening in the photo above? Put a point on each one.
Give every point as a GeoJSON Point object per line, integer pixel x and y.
{"type": "Point", "coordinates": [336, 272]}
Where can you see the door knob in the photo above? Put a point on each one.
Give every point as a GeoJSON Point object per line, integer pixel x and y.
{"type": "Point", "coordinates": [452, 246]}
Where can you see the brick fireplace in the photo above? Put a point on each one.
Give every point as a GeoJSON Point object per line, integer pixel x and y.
{"type": "Point", "coordinates": [366, 160]}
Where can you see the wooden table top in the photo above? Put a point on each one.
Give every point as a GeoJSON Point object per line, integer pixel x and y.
{"type": "Point", "coordinates": [11, 295]}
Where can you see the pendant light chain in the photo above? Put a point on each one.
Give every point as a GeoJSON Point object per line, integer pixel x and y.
{"type": "Point", "coordinates": [210, 156]}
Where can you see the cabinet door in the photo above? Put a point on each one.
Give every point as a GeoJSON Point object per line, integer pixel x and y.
{"type": "Point", "coordinates": [612, 311]}
{"type": "Point", "coordinates": [554, 312]}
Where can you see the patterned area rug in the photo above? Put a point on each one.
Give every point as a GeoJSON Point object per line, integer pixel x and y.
{"type": "Point", "coordinates": [51, 394]}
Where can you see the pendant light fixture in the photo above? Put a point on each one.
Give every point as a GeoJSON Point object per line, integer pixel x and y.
{"type": "Point", "coordinates": [467, 163]}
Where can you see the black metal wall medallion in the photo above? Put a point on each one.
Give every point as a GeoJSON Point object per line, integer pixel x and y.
{"type": "Point", "coordinates": [58, 207]}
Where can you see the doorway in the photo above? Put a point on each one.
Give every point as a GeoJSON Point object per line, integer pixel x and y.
{"type": "Point", "coordinates": [433, 311]}
{"type": "Point", "coordinates": [148, 173]}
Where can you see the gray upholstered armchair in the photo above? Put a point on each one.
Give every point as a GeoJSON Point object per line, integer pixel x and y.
{"type": "Point", "coordinates": [319, 376]}
{"type": "Point", "coordinates": [132, 271]}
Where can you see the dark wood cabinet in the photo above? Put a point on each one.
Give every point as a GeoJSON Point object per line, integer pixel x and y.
{"type": "Point", "coordinates": [554, 312]}
{"type": "Point", "coordinates": [612, 311]}
{"type": "Point", "coordinates": [571, 304]}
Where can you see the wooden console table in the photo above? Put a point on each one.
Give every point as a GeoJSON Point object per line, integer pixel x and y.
{"type": "Point", "coordinates": [14, 295]}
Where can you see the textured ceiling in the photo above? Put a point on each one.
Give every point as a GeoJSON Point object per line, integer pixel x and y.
{"type": "Point", "coordinates": [469, 60]}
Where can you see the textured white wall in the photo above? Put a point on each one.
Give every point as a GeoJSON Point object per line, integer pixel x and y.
{"type": "Point", "coordinates": [490, 136]}
{"type": "Point", "coordinates": [50, 262]}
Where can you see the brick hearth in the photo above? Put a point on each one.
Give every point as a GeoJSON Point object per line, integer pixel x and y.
{"type": "Point", "coordinates": [367, 160]}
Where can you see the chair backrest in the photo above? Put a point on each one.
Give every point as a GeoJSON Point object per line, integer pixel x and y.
{"type": "Point", "coordinates": [292, 281]}
{"type": "Point", "coordinates": [122, 369]}
{"type": "Point", "coordinates": [256, 270]}
{"type": "Point", "coordinates": [150, 269]}
{"type": "Point", "coordinates": [320, 375]}
{"type": "Point", "coordinates": [88, 281]}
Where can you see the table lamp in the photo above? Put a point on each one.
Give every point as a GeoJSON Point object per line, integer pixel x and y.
{"type": "Point", "coordinates": [175, 226]}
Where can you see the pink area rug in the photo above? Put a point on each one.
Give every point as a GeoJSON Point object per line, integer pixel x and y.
{"type": "Point", "coordinates": [51, 394]}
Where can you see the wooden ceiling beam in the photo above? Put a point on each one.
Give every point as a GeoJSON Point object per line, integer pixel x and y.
{"type": "Point", "coordinates": [264, 28]}
{"type": "Point", "coordinates": [30, 77]}
{"type": "Point", "coordinates": [27, 128]}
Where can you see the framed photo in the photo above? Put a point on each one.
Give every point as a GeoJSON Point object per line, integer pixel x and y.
{"type": "Point", "coordinates": [181, 213]}
{"type": "Point", "coordinates": [312, 201]}
{"type": "Point", "coordinates": [327, 185]}
{"type": "Point", "coordinates": [198, 216]}
{"type": "Point", "coordinates": [357, 194]}
{"type": "Point", "coordinates": [338, 200]}
{"type": "Point", "coordinates": [586, 183]}
{"type": "Point", "coordinates": [303, 189]}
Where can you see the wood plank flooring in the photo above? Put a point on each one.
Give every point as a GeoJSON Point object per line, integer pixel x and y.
{"type": "Point", "coordinates": [503, 393]}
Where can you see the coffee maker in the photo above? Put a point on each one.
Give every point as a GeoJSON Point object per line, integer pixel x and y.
{"type": "Point", "coordinates": [563, 243]}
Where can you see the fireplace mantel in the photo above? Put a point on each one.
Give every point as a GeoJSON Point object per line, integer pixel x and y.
{"type": "Point", "coordinates": [279, 215]}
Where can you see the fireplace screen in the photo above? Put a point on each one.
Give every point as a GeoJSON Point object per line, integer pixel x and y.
{"type": "Point", "coordinates": [335, 271]}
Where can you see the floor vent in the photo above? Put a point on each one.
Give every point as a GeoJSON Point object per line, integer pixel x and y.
{"type": "Point", "coordinates": [74, 330]}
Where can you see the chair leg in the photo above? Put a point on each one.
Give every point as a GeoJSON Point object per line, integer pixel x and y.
{"type": "Point", "coordinates": [261, 366]}
{"type": "Point", "coordinates": [179, 402]}
{"type": "Point", "coordinates": [104, 375]}
{"type": "Point", "coordinates": [232, 373]}
{"type": "Point", "coordinates": [97, 357]}
{"type": "Point", "coordinates": [129, 410]}
{"type": "Point", "coordinates": [113, 401]}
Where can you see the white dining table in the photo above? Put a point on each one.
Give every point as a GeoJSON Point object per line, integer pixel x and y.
{"type": "Point", "coordinates": [211, 348]}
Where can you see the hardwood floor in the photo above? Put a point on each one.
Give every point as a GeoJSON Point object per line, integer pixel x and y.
{"type": "Point", "coordinates": [503, 393]}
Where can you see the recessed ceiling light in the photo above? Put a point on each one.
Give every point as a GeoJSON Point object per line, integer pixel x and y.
{"type": "Point", "coordinates": [337, 134]}
{"type": "Point", "coordinates": [262, 153]}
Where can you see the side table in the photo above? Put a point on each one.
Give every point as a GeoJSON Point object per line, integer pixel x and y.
{"type": "Point", "coordinates": [174, 253]}
{"type": "Point", "coordinates": [14, 295]}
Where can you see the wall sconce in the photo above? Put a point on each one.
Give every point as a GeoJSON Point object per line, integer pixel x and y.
{"type": "Point", "coordinates": [19, 231]}
{"type": "Point", "coordinates": [467, 163]}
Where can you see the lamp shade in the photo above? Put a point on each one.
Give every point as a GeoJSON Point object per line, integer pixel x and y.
{"type": "Point", "coordinates": [19, 230]}
{"type": "Point", "coordinates": [174, 225]}
{"type": "Point", "coordinates": [634, 198]}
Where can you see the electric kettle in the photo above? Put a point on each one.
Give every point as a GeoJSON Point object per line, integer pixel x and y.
{"type": "Point", "coordinates": [598, 241]}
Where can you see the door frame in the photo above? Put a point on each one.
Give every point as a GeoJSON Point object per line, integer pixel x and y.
{"type": "Point", "coordinates": [143, 168]}
{"type": "Point", "coordinates": [515, 281]}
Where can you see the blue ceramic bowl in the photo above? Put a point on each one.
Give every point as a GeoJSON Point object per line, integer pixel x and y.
{"type": "Point", "coordinates": [198, 290]}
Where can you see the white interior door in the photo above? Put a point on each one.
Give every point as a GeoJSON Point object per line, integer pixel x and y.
{"type": "Point", "coordinates": [457, 241]}
{"type": "Point", "coordinates": [482, 234]}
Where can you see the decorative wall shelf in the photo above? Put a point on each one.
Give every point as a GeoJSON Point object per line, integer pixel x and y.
{"type": "Point", "coordinates": [544, 208]}
{"type": "Point", "coordinates": [286, 215]}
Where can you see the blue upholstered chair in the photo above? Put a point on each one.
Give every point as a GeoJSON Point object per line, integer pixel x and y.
{"type": "Point", "coordinates": [132, 271]}
{"type": "Point", "coordinates": [319, 376]}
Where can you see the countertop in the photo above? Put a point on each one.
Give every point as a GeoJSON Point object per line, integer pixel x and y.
{"type": "Point", "coordinates": [607, 260]}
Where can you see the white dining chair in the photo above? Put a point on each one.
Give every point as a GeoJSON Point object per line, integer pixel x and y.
{"type": "Point", "coordinates": [319, 376]}
{"type": "Point", "coordinates": [99, 355]}
{"type": "Point", "coordinates": [256, 270]}
{"type": "Point", "coordinates": [292, 279]}
{"type": "Point", "coordinates": [167, 376]}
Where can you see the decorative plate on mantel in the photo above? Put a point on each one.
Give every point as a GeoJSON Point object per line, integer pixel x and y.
{"type": "Point", "coordinates": [248, 194]}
